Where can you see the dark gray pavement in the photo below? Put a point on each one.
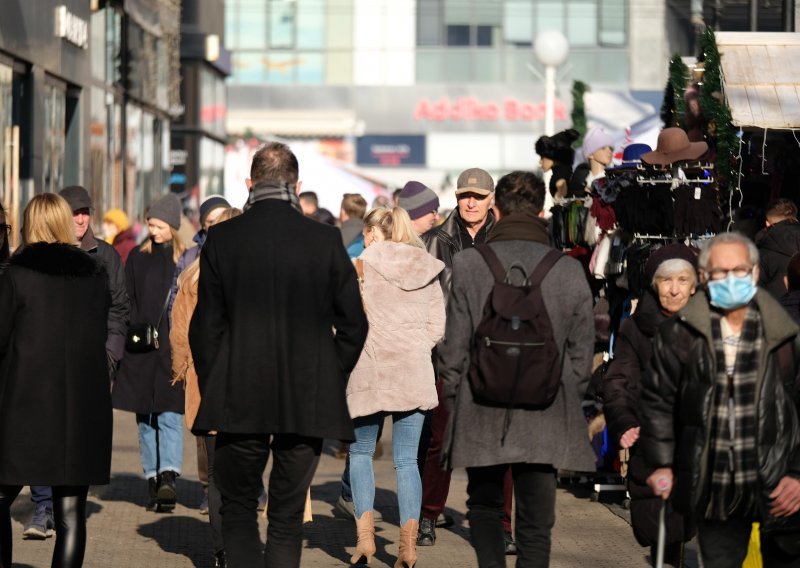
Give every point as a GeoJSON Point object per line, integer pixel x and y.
{"type": "Point", "coordinates": [122, 534]}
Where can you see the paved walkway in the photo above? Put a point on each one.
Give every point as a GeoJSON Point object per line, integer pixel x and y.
{"type": "Point", "coordinates": [122, 534]}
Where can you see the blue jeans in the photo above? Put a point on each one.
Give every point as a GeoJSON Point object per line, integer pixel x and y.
{"type": "Point", "coordinates": [42, 495]}
{"type": "Point", "coordinates": [406, 430]}
{"type": "Point", "coordinates": [160, 442]}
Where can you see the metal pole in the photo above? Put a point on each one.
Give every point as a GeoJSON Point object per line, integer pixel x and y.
{"type": "Point", "coordinates": [753, 15]}
{"type": "Point", "coordinates": [549, 100]}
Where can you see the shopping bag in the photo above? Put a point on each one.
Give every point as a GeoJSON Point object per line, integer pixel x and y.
{"type": "Point", "coordinates": [753, 559]}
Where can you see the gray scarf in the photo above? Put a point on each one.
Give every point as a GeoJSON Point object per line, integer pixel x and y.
{"type": "Point", "coordinates": [733, 457]}
{"type": "Point", "coordinates": [273, 190]}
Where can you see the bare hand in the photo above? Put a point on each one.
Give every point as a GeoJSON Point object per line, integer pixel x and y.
{"type": "Point", "coordinates": [660, 481]}
{"type": "Point", "coordinates": [786, 497]}
{"type": "Point", "coordinates": [629, 438]}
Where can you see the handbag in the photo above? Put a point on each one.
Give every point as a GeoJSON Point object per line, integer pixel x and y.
{"type": "Point", "coordinates": [143, 337]}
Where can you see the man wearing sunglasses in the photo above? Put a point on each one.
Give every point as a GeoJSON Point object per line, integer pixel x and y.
{"type": "Point", "coordinates": [720, 411]}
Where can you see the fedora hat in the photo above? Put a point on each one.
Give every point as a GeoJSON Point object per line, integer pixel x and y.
{"type": "Point", "coordinates": [674, 146]}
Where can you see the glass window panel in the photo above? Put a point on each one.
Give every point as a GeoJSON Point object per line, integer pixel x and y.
{"type": "Point", "coordinates": [429, 66]}
{"type": "Point", "coordinates": [429, 22]}
{"type": "Point", "coordinates": [113, 44]}
{"type": "Point", "coordinates": [252, 24]}
{"type": "Point", "coordinates": [612, 23]}
{"type": "Point", "coordinates": [281, 23]}
{"type": "Point", "coordinates": [485, 36]}
{"type": "Point", "coordinates": [232, 24]}
{"type": "Point", "coordinates": [6, 121]}
{"type": "Point", "coordinates": [97, 27]}
{"type": "Point", "coordinates": [458, 35]}
{"type": "Point", "coordinates": [98, 152]}
{"type": "Point", "coordinates": [582, 23]}
{"type": "Point", "coordinates": [516, 63]}
{"type": "Point", "coordinates": [280, 68]}
{"type": "Point", "coordinates": [55, 138]}
{"type": "Point", "coordinates": [310, 68]}
{"type": "Point", "coordinates": [518, 22]}
{"type": "Point", "coordinates": [550, 16]}
{"type": "Point", "coordinates": [147, 184]}
{"type": "Point", "coordinates": [310, 24]}
{"type": "Point", "coordinates": [249, 68]}
{"type": "Point", "coordinates": [458, 65]}
{"type": "Point", "coordinates": [488, 12]}
{"type": "Point", "coordinates": [490, 64]}
{"type": "Point", "coordinates": [458, 11]}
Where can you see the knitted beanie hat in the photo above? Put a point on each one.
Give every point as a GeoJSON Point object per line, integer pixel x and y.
{"type": "Point", "coordinates": [167, 209]}
{"type": "Point", "coordinates": [418, 199]}
{"type": "Point", "coordinates": [595, 139]}
{"type": "Point", "coordinates": [207, 206]}
{"type": "Point", "coordinates": [669, 252]}
{"type": "Point", "coordinates": [118, 217]}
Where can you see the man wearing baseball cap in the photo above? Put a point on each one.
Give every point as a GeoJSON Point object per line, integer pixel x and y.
{"type": "Point", "coordinates": [467, 226]}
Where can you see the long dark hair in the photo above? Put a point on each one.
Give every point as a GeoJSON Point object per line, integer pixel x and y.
{"type": "Point", "coordinates": [4, 249]}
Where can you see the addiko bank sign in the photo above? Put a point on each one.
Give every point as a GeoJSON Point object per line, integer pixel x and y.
{"type": "Point", "coordinates": [472, 109]}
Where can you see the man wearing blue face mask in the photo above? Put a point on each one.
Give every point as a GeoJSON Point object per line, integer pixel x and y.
{"type": "Point", "coordinates": [720, 412]}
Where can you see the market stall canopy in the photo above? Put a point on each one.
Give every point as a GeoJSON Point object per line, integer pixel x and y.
{"type": "Point", "coordinates": [761, 78]}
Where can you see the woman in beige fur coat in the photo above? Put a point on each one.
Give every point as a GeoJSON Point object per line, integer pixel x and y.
{"type": "Point", "coordinates": [394, 376]}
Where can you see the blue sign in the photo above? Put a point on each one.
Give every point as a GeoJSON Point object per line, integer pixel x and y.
{"type": "Point", "coordinates": [177, 179]}
{"type": "Point", "coordinates": [390, 151]}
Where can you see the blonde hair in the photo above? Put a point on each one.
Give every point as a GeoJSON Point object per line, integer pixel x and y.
{"type": "Point", "coordinates": [48, 218]}
{"type": "Point", "coordinates": [191, 274]}
{"type": "Point", "coordinates": [394, 224]}
{"type": "Point", "coordinates": [178, 247]}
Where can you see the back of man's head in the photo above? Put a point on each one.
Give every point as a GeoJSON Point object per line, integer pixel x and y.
{"type": "Point", "coordinates": [781, 209]}
{"type": "Point", "coordinates": [793, 273]}
{"type": "Point", "coordinates": [310, 198]}
{"type": "Point", "coordinates": [519, 192]}
{"type": "Point", "coordinates": [274, 163]}
{"type": "Point", "coordinates": [354, 206]}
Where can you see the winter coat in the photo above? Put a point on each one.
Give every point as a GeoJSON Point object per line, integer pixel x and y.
{"type": "Point", "coordinates": [182, 363]}
{"type": "Point", "coordinates": [188, 257]}
{"type": "Point", "coordinates": [405, 310]}
{"type": "Point", "coordinates": [444, 241]}
{"type": "Point", "coordinates": [55, 408]}
{"type": "Point", "coordinates": [144, 382]}
{"type": "Point", "coordinates": [120, 308]}
{"type": "Point", "coordinates": [621, 403]}
{"type": "Point", "coordinates": [776, 247]}
{"type": "Point", "coordinates": [677, 402]}
{"type": "Point", "coordinates": [278, 326]}
{"type": "Point", "coordinates": [555, 435]}
{"type": "Point", "coordinates": [124, 242]}
{"type": "Point", "coordinates": [351, 229]}
{"type": "Point", "coordinates": [791, 303]}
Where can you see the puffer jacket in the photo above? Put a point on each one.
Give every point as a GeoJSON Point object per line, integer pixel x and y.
{"type": "Point", "coordinates": [677, 401]}
{"type": "Point", "coordinates": [776, 245]}
{"type": "Point", "coordinates": [405, 310]}
{"type": "Point", "coordinates": [444, 241]}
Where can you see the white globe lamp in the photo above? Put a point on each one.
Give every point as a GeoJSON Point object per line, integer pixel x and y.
{"type": "Point", "coordinates": [551, 49]}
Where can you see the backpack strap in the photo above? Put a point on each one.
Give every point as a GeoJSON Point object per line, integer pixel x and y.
{"type": "Point", "coordinates": [544, 266]}
{"type": "Point", "coordinates": [494, 263]}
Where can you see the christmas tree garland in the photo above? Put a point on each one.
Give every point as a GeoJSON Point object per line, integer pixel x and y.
{"type": "Point", "coordinates": [673, 108]}
{"type": "Point", "coordinates": [578, 114]}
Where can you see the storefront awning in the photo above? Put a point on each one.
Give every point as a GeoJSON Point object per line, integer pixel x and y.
{"type": "Point", "coordinates": [294, 123]}
{"type": "Point", "coordinates": [761, 78]}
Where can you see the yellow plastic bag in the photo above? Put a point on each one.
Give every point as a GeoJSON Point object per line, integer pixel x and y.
{"type": "Point", "coordinates": [753, 559]}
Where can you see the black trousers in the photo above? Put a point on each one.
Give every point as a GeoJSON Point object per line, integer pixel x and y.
{"type": "Point", "coordinates": [535, 494]}
{"type": "Point", "coordinates": [723, 544]}
{"type": "Point", "coordinates": [69, 511]}
{"type": "Point", "coordinates": [214, 498]}
{"type": "Point", "coordinates": [239, 462]}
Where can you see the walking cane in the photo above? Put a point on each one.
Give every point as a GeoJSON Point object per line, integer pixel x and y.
{"type": "Point", "coordinates": [662, 535]}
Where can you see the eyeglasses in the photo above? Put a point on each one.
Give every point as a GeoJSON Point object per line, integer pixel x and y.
{"type": "Point", "coordinates": [5, 228]}
{"type": "Point", "coordinates": [722, 273]}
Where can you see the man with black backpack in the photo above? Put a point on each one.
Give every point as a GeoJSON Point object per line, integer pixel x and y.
{"type": "Point", "coordinates": [515, 363]}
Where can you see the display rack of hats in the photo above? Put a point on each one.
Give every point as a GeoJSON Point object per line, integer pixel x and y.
{"type": "Point", "coordinates": [659, 197]}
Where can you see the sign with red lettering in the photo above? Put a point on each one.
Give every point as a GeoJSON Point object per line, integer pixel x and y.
{"type": "Point", "coordinates": [471, 109]}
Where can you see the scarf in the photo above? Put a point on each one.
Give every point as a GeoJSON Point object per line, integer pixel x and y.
{"type": "Point", "coordinates": [520, 227]}
{"type": "Point", "coordinates": [273, 190]}
{"type": "Point", "coordinates": [733, 458]}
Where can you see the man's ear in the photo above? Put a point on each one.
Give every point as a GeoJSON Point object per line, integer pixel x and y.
{"type": "Point", "coordinates": [541, 213]}
{"type": "Point", "coordinates": [496, 211]}
{"type": "Point", "coordinates": [249, 183]}
{"type": "Point", "coordinates": [298, 187]}
{"type": "Point", "coordinates": [786, 283]}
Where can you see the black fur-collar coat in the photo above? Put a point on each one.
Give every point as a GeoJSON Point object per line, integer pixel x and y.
{"type": "Point", "coordinates": [55, 407]}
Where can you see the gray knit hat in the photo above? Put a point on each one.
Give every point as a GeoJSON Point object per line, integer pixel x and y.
{"type": "Point", "coordinates": [418, 199]}
{"type": "Point", "coordinates": [167, 209]}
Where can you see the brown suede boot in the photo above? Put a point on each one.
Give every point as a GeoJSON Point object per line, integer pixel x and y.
{"type": "Point", "coordinates": [407, 555]}
{"type": "Point", "coordinates": [365, 526]}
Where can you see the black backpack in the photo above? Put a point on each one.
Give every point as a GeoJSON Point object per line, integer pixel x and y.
{"type": "Point", "coordinates": [515, 360]}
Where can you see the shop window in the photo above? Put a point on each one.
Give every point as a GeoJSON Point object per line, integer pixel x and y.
{"type": "Point", "coordinates": [310, 24]}
{"type": "Point", "coordinates": [549, 15]}
{"type": "Point", "coordinates": [518, 22]}
{"type": "Point", "coordinates": [54, 137]}
{"type": "Point", "coordinates": [310, 68]}
{"type": "Point", "coordinates": [582, 23]}
{"type": "Point", "coordinates": [281, 23]}
{"type": "Point", "coordinates": [612, 28]}
{"type": "Point", "coordinates": [458, 35]}
{"type": "Point", "coordinates": [251, 20]}
{"type": "Point", "coordinates": [99, 142]}
{"type": "Point", "coordinates": [429, 22]}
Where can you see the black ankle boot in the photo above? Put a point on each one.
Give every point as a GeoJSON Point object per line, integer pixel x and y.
{"type": "Point", "coordinates": [427, 532]}
{"type": "Point", "coordinates": [152, 490]}
{"type": "Point", "coordinates": [167, 495]}
{"type": "Point", "coordinates": [219, 559]}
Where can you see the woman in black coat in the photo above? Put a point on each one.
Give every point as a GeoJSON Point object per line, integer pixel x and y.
{"type": "Point", "coordinates": [672, 272]}
{"type": "Point", "coordinates": [55, 408]}
{"type": "Point", "coordinates": [144, 383]}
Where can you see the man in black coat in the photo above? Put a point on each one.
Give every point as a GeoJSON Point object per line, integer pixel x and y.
{"type": "Point", "coordinates": [278, 327]}
{"type": "Point", "coordinates": [777, 244]}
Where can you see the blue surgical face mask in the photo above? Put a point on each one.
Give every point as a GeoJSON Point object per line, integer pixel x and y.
{"type": "Point", "coordinates": [731, 292]}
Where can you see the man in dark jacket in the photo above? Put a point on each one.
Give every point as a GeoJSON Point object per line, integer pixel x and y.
{"type": "Point", "coordinates": [41, 524]}
{"type": "Point", "coordinates": [720, 411]}
{"type": "Point", "coordinates": [776, 245]}
{"type": "Point", "coordinates": [278, 327]}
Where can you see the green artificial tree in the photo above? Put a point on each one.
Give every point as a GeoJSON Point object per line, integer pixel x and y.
{"type": "Point", "coordinates": [578, 114]}
{"type": "Point", "coordinates": [673, 108]}
{"type": "Point", "coordinates": [720, 132]}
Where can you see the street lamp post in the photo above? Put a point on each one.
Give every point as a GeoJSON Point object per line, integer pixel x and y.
{"type": "Point", "coordinates": [551, 49]}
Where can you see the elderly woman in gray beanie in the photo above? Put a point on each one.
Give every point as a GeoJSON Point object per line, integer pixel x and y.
{"type": "Point", "coordinates": [144, 382]}
{"type": "Point", "coordinates": [672, 272]}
